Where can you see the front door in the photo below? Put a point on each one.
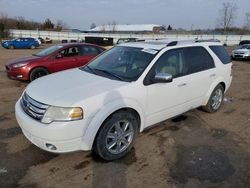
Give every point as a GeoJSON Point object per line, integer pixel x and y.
{"type": "Point", "coordinates": [166, 100]}
{"type": "Point", "coordinates": [65, 59]}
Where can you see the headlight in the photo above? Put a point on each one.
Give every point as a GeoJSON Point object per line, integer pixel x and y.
{"type": "Point", "coordinates": [62, 114]}
{"type": "Point", "coordinates": [247, 54]}
{"type": "Point", "coordinates": [20, 65]}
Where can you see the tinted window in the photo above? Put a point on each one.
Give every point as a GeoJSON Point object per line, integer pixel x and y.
{"type": "Point", "coordinates": [221, 53]}
{"type": "Point", "coordinates": [89, 50]}
{"type": "Point", "coordinates": [171, 62]}
{"type": "Point", "coordinates": [69, 52]}
{"type": "Point", "coordinates": [197, 59]}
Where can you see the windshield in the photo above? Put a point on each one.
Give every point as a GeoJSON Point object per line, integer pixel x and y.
{"type": "Point", "coordinates": [121, 63]}
{"type": "Point", "coordinates": [245, 46]}
{"type": "Point", "coordinates": [48, 51]}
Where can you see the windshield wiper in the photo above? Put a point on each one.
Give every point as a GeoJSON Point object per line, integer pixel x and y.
{"type": "Point", "coordinates": [111, 74]}
{"type": "Point", "coordinates": [91, 70]}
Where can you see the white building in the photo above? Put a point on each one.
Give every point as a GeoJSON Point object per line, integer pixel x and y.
{"type": "Point", "coordinates": [138, 28]}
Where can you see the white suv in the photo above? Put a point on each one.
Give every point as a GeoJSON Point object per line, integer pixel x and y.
{"type": "Point", "coordinates": [105, 104]}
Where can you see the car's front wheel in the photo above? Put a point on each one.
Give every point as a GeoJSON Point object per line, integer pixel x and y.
{"type": "Point", "coordinates": [115, 138]}
{"type": "Point", "coordinates": [216, 99]}
{"type": "Point", "coordinates": [11, 47]}
{"type": "Point", "coordinates": [32, 47]}
{"type": "Point", "coordinates": [37, 73]}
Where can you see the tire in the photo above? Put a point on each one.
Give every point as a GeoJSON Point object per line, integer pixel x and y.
{"type": "Point", "coordinates": [11, 47]}
{"type": "Point", "coordinates": [116, 136]}
{"type": "Point", "coordinates": [37, 73]}
{"type": "Point", "coordinates": [216, 99]}
{"type": "Point", "coordinates": [32, 47]}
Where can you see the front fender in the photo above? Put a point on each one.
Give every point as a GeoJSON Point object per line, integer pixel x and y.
{"type": "Point", "coordinates": [107, 110]}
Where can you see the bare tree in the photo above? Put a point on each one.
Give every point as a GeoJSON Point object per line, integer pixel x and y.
{"type": "Point", "coordinates": [227, 16]}
{"type": "Point", "coordinates": [103, 28]}
{"type": "Point", "coordinates": [114, 24]}
{"type": "Point", "coordinates": [247, 21]}
{"type": "Point", "coordinates": [92, 26]}
{"type": "Point", "coordinates": [60, 25]}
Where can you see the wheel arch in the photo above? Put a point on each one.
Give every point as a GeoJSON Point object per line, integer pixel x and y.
{"type": "Point", "coordinates": [37, 67]}
{"type": "Point", "coordinates": [102, 115]}
{"type": "Point", "coordinates": [218, 81]}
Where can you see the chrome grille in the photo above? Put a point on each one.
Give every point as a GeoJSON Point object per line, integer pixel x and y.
{"type": "Point", "coordinates": [32, 107]}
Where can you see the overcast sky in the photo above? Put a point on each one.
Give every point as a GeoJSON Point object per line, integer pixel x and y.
{"type": "Point", "coordinates": [81, 13]}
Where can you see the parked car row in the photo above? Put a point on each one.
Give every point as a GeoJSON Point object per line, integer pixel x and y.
{"type": "Point", "coordinates": [103, 105]}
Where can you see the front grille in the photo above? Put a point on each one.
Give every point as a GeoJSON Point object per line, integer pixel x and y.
{"type": "Point", "coordinates": [239, 56]}
{"type": "Point", "coordinates": [33, 108]}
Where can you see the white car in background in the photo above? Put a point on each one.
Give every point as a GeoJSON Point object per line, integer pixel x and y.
{"type": "Point", "coordinates": [105, 104]}
{"type": "Point", "coordinates": [242, 53]}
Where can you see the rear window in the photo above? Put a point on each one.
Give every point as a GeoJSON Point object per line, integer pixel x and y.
{"type": "Point", "coordinates": [221, 53]}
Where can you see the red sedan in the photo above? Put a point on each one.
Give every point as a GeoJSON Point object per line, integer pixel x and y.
{"type": "Point", "coordinates": [53, 59]}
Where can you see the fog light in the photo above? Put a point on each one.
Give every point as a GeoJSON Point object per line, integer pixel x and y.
{"type": "Point", "coordinates": [51, 146]}
{"type": "Point", "coordinates": [19, 76]}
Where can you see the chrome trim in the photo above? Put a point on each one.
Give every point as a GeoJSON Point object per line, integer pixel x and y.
{"type": "Point", "coordinates": [33, 108]}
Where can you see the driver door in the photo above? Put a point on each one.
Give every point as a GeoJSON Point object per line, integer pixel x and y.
{"type": "Point", "coordinates": [65, 59]}
{"type": "Point", "coordinates": [166, 100]}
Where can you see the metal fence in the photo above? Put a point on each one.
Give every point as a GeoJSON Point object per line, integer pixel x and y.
{"type": "Point", "coordinates": [227, 39]}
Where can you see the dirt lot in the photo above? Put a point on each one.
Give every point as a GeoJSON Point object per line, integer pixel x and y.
{"type": "Point", "coordinates": [194, 150]}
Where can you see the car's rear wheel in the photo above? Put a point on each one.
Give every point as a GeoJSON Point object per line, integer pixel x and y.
{"type": "Point", "coordinates": [37, 73]}
{"type": "Point", "coordinates": [216, 99]}
{"type": "Point", "coordinates": [115, 137]}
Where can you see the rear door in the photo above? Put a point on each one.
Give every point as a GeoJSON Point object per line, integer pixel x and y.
{"type": "Point", "coordinates": [201, 73]}
{"type": "Point", "coordinates": [65, 59]}
{"type": "Point", "coordinates": [87, 53]}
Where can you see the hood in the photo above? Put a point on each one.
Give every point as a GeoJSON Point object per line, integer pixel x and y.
{"type": "Point", "coordinates": [22, 59]}
{"type": "Point", "coordinates": [69, 87]}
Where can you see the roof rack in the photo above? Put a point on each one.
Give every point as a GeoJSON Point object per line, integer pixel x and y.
{"type": "Point", "coordinates": [178, 42]}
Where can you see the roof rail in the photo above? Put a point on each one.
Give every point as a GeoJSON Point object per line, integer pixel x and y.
{"type": "Point", "coordinates": [169, 42]}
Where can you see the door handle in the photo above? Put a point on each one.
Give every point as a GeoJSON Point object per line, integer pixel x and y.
{"type": "Point", "coordinates": [212, 75]}
{"type": "Point", "coordinates": [181, 85]}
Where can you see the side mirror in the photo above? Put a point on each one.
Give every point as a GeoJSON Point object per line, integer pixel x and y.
{"type": "Point", "coordinates": [58, 56]}
{"type": "Point", "coordinates": [162, 77]}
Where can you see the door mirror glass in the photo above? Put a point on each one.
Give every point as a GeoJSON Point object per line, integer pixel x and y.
{"type": "Point", "coordinates": [162, 77]}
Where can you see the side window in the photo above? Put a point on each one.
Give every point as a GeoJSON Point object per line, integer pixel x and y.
{"type": "Point", "coordinates": [89, 50]}
{"type": "Point", "coordinates": [172, 62]}
{"type": "Point", "coordinates": [69, 52]}
{"type": "Point", "coordinates": [221, 53]}
{"type": "Point", "coordinates": [197, 59]}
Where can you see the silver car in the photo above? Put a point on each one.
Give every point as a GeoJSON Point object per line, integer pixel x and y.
{"type": "Point", "coordinates": [241, 53]}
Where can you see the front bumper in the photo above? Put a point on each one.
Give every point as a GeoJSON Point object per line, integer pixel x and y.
{"type": "Point", "coordinates": [240, 56]}
{"type": "Point", "coordinates": [65, 136]}
{"type": "Point", "coordinates": [17, 73]}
